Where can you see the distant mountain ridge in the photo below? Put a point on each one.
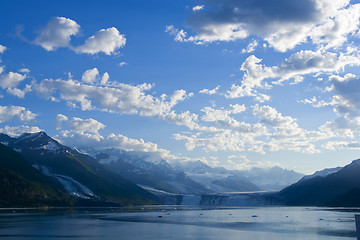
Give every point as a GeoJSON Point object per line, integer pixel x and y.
{"type": "Point", "coordinates": [78, 174]}
{"type": "Point", "coordinates": [157, 174]}
{"type": "Point", "coordinates": [340, 188]}
{"type": "Point", "coordinates": [220, 179]}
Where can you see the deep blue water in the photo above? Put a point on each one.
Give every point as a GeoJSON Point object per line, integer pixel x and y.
{"type": "Point", "coordinates": [175, 223]}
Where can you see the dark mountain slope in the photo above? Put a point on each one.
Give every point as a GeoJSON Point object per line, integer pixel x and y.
{"type": "Point", "coordinates": [76, 171]}
{"type": "Point", "coordinates": [341, 188]}
{"type": "Point", "coordinates": [24, 186]}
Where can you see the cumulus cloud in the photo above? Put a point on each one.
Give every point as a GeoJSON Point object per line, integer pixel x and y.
{"type": "Point", "coordinates": [59, 30]}
{"type": "Point", "coordinates": [8, 113]}
{"type": "Point", "coordinates": [104, 78]}
{"type": "Point", "coordinates": [20, 93]}
{"type": "Point", "coordinates": [212, 115]}
{"type": "Point", "coordinates": [210, 91]}
{"type": "Point", "coordinates": [79, 125]}
{"type": "Point", "coordinates": [57, 33]}
{"type": "Point", "coordinates": [294, 68]}
{"type": "Point", "coordinates": [118, 98]}
{"type": "Point", "coordinates": [346, 98]}
{"type": "Point", "coordinates": [18, 130]}
{"type": "Point", "coordinates": [2, 48]}
{"type": "Point", "coordinates": [107, 41]}
{"type": "Point", "coordinates": [197, 8]}
{"type": "Point", "coordinates": [273, 132]}
{"type": "Point", "coordinates": [90, 75]}
{"type": "Point", "coordinates": [11, 79]}
{"type": "Point", "coordinates": [251, 47]}
{"type": "Point", "coordinates": [283, 24]}
{"type": "Point", "coordinates": [355, 145]}
{"type": "Point", "coordinates": [122, 64]}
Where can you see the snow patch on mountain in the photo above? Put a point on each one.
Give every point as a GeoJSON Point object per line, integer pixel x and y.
{"type": "Point", "coordinates": [71, 186]}
{"type": "Point", "coordinates": [74, 188]}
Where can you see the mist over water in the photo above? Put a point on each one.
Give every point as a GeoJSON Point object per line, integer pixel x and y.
{"type": "Point", "coordinates": [176, 223]}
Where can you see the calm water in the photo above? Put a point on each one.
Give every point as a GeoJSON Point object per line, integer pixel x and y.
{"type": "Point", "coordinates": [174, 223]}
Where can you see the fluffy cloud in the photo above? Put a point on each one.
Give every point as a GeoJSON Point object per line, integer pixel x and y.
{"type": "Point", "coordinates": [104, 78]}
{"type": "Point", "coordinates": [210, 91]}
{"type": "Point", "coordinates": [342, 145]}
{"type": "Point", "coordinates": [120, 98]}
{"type": "Point", "coordinates": [57, 33]}
{"type": "Point", "coordinates": [8, 113]}
{"type": "Point", "coordinates": [346, 98]}
{"type": "Point", "coordinates": [273, 132]}
{"type": "Point", "coordinates": [212, 115]}
{"type": "Point", "coordinates": [79, 125]}
{"type": "Point", "coordinates": [122, 64]}
{"type": "Point", "coordinates": [283, 24]}
{"type": "Point", "coordinates": [18, 130]}
{"type": "Point", "coordinates": [197, 8]}
{"type": "Point", "coordinates": [294, 68]}
{"type": "Point", "coordinates": [2, 48]}
{"type": "Point", "coordinates": [185, 118]}
{"type": "Point", "coordinates": [59, 30]}
{"type": "Point", "coordinates": [11, 79]}
{"type": "Point", "coordinates": [344, 101]}
{"type": "Point", "coordinates": [251, 47]}
{"type": "Point", "coordinates": [107, 41]}
{"type": "Point", "coordinates": [90, 76]}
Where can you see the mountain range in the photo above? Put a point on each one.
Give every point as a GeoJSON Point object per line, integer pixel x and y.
{"type": "Point", "coordinates": [80, 175]}
{"type": "Point", "coordinates": [36, 170]}
{"type": "Point", "coordinates": [330, 187]}
{"type": "Point", "coordinates": [219, 179]}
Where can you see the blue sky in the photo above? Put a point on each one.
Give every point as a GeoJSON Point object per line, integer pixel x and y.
{"type": "Point", "coordinates": [239, 84]}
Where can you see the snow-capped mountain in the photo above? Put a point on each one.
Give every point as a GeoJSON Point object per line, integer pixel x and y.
{"type": "Point", "coordinates": [223, 180]}
{"type": "Point", "coordinates": [216, 179]}
{"type": "Point", "coordinates": [78, 174]}
{"type": "Point", "coordinates": [24, 186]}
{"type": "Point", "coordinates": [274, 178]}
{"type": "Point", "coordinates": [148, 171]}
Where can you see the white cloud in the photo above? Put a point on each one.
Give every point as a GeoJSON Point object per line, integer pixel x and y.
{"type": "Point", "coordinates": [107, 41]}
{"type": "Point", "coordinates": [122, 64]}
{"type": "Point", "coordinates": [197, 8]}
{"type": "Point", "coordinates": [8, 113]}
{"type": "Point", "coordinates": [210, 91]}
{"type": "Point", "coordinates": [355, 145]}
{"type": "Point", "coordinates": [90, 76]}
{"type": "Point", "coordinates": [11, 80]}
{"type": "Point", "coordinates": [120, 98]}
{"type": "Point", "coordinates": [251, 47]}
{"type": "Point", "coordinates": [105, 78]}
{"type": "Point", "coordinates": [18, 130]}
{"type": "Point", "coordinates": [57, 33]}
{"type": "Point", "coordinates": [79, 125]}
{"type": "Point", "coordinates": [282, 24]}
{"type": "Point", "coordinates": [185, 118]}
{"type": "Point", "coordinates": [294, 68]}
{"type": "Point", "coordinates": [212, 115]}
{"type": "Point", "coordinates": [2, 49]}
{"type": "Point", "coordinates": [20, 93]}
{"type": "Point", "coordinates": [346, 98]}
{"type": "Point", "coordinates": [24, 70]}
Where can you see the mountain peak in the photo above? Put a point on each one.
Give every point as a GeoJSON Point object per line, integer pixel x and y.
{"type": "Point", "coordinates": [355, 162]}
{"type": "Point", "coordinates": [33, 135]}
